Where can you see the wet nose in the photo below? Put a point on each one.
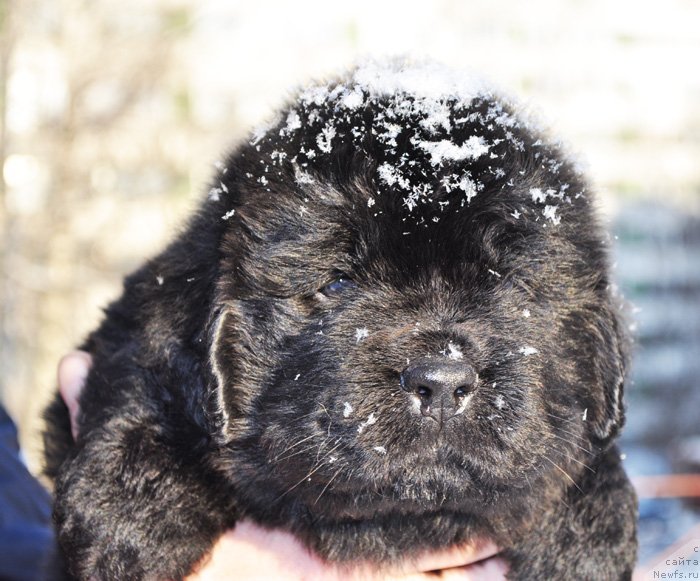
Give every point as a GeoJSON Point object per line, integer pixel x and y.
{"type": "Point", "coordinates": [440, 384]}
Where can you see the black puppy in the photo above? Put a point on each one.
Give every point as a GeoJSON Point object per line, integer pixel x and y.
{"type": "Point", "coordinates": [388, 329]}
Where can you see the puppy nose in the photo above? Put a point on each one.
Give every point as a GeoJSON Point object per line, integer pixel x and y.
{"type": "Point", "coordinates": [441, 385]}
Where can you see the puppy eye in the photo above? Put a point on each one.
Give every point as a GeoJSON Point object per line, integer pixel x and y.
{"type": "Point", "coordinates": [338, 286]}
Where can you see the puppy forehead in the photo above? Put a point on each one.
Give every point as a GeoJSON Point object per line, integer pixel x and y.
{"type": "Point", "coordinates": [409, 154]}
{"type": "Point", "coordinates": [390, 129]}
{"type": "Point", "coordinates": [417, 135]}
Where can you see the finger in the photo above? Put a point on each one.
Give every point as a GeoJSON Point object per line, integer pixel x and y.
{"type": "Point", "coordinates": [456, 561]}
{"type": "Point", "coordinates": [72, 371]}
{"type": "Point", "coordinates": [253, 553]}
{"type": "Point", "coordinates": [493, 569]}
{"type": "Point", "coordinates": [457, 556]}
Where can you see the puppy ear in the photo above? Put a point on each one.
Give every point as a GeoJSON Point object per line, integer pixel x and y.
{"type": "Point", "coordinates": [239, 356]}
{"type": "Point", "coordinates": [160, 320]}
{"type": "Point", "coordinates": [220, 369]}
{"type": "Point", "coordinates": [610, 363]}
{"type": "Point", "coordinates": [232, 356]}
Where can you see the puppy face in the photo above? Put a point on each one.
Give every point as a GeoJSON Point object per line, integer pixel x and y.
{"type": "Point", "coordinates": [413, 305]}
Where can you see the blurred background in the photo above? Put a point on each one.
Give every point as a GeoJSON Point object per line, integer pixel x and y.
{"type": "Point", "coordinates": [113, 113]}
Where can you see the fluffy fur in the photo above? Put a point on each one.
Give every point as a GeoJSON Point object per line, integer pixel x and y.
{"type": "Point", "coordinates": [264, 365]}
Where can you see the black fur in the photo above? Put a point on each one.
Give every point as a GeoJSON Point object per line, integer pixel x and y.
{"type": "Point", "coordinates": [230, 380]}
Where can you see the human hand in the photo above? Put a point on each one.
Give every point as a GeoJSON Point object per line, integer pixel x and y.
{"type": "Point", "coordinates": [249, 552]}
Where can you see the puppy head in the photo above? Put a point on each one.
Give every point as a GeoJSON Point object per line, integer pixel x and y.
{"type": "Point", "coordinates": [413, 303]}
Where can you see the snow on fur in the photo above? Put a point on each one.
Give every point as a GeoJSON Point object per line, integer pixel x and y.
{"type": "Point", "coordinates": [436, 126]}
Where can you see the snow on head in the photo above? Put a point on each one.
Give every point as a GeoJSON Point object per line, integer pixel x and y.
{"type": "Point", "coordinates": [324, 139]}
{"type": "Point", "coordinates": [454, 352]}
{"type": "Point", "coordinates": [353, 99]}
{"type": "Point", "coordinates": [293, 123]}
{"type": "Point", "coordinates": [361, 334]}
{"type": "Point", "coordinates": [424, 80]}
{"type": "Point", "coordinates": [471, 149]}
{"type": "Point", "coordinates": [436, 137]}
{"type": "Point", "coordinates": [538, 196]}
{"type": "Point", "coordinates": [527, 350]}
{"type": "Point", "coordinates": [390, 176]}
{"type": "Point", "coordinates": [551, 213]}
{"type": "Point", "coordinates": [371, 419]}
{"type": "Point", "coordinates": [499, 401]}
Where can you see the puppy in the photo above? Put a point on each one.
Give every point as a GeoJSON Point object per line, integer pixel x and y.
{"type": "Point", "coordinates": [389, 328]}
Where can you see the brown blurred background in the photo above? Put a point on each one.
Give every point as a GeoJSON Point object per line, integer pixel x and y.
{"type": "Point", "coordinates": [113, 113]}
